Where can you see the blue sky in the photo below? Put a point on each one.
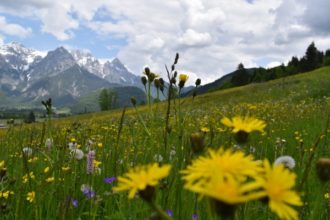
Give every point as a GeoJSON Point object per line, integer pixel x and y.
{"type": "Point", "coordinates": [211, 36]}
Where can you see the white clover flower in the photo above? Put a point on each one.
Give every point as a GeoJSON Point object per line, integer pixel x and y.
{"type": "Point", "coordinates": [27, 151]}
{"type": "Point", "coordinates": [287, 161]}
{"type": "Point", "coordinates": [77, 153]}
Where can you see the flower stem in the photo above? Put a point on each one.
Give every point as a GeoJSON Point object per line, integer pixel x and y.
{"type": "Point", "coordinates": [159, 210]}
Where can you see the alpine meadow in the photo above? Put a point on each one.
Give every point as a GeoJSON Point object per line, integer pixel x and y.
{"type": "Point", "coordinates": [165, 110]}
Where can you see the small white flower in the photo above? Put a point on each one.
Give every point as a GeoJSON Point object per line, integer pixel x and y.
{"type": "Point", "coordinates": [287, 161]}
{"type": "Point", "coordinates": [77, 153]}
{"type": "Point", "coordinates": [49, 143]}
{"type": "Point", "coordinates": [172, 154]}
{"type": "Point", "coordinates": [27, 151]}
{"type": "Point", "coordinates": [158, 158]}
{"type": "Point", "coordinates": [72, 146]}
{"type": "Point", "coordinates": [252, 149]}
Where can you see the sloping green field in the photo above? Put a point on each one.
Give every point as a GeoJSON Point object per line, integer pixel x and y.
{"type": "Point", "coordinates": [295, 109]}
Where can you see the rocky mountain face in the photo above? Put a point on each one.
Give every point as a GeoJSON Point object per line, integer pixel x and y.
{"type": "Point", "coordinates": [28, 76]}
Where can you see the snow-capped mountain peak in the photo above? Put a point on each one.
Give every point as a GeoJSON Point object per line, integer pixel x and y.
{"type": "Point", "coordinates": [88, 61]}
{"type": "Point", "coordinates": [20, 57]}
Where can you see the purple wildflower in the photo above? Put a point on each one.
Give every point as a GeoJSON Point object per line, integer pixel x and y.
{"type": "Point", "coordinates": [194, 216]}
{"type": "Point", "coordinates": [74, 203]}
{"type": "Point", "coordinates": [88, 191]}
{"type": "Point", "coordinates": [90, 162]}
{"type": "Point", "coordinates": [109, 179]}
{"type": "Point", "coordinates": [169, 212]}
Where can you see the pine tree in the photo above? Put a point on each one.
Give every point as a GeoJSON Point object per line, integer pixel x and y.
{"type": "Point", "coordinates": [312, 58]}
{"type": "Point", "coordinates": [240, 77]}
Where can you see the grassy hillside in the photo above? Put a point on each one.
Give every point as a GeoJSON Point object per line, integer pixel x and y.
{"type": "Point", "coordinates": [295, 110]}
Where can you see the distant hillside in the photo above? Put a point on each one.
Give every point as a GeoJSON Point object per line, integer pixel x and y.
{"type": "Point", "coordinates": [222, 83]}
{"type": "Point", "coordinates": [312, 60]}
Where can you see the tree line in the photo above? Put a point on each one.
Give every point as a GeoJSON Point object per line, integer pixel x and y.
{"type": "Point", "coordinates": [312, 60]}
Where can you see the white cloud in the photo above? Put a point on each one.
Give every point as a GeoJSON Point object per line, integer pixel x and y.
{"type": "Point", "coordinates": [211, 36]}
{"type": "Point", "coordinates": [13, 29]}
{"type": "Point", "coordinates": [273, 64]}
{"type": "Point", "coordinates": [193, 38]}
{"type": "Point", "coordinates": [2, 41]}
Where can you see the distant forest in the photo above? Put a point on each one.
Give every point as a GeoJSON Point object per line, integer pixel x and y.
{"type": "Point", "coordinates": [312, 59]}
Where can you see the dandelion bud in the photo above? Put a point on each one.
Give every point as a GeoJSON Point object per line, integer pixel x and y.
{"type": "Point", "coordinates": [176, 58]}
{"type": "Point", "coordinates": [198, 82]}
{"type": "Point", "coordinates": [152, 76]}
{"type": "Point", "coordinates": [144, 80]}
{"type": "Point", "coordinates": [161, 84]}
{"type": "Point", "coordinates": [90, 162]}
{"type": "Point", "coordinates": [173, 80]}
{"type": "Point", "coordinates": [147, 71]}
{"type": "Point", "coordinates": [157, 83]}
{"type": "Point", "coordinates": [197, 142]}
{"type": "Point", "coordinates": [133, 101]}
{"type": "Point", "coordinates": [175, 74]}
{"type": "Point", "coordinates": [323, 169]}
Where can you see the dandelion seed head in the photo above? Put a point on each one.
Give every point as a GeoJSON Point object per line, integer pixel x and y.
{"type": "Point", "coordinates": [27, 151]}
{"type": "Point", "coordinates": [77, 153]}
{"type": "Point", "coordinates": [287, 161]}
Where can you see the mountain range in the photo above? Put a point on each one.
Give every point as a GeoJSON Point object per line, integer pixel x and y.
{"type": "Point", "coordinates": [28, 76]}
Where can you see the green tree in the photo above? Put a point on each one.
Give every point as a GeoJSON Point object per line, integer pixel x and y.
{"type": "Point", "coordinates": [312, 58]}
{"type": "Point", "coordinates": [30, 118]}
{"type": "Point", "coordinates": [112, 97]}
{"type": "Point", "coordinates": [241, 76]}
{"type": "Point", "coordinates": [104, 100]}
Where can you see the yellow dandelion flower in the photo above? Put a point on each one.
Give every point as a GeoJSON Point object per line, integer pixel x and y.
{"type": "Point", "coordinates": [100, 145]}
{"type": "Point", "coordinates": [229, 190]}
{"type": "Point", "coordinates": [183, 77]}
{"type": "Point", "coordinates": [139, 178]}
{"type": "Point", "coordinates": [27, 177]}
{"type": "Point", "coordinates": [97, 163]}
{"type": "Point", "coordinates": [2, 165]}
{"type": "Point", "coordinates": [65, 169]}
{"type": "Point", "coordinates": [31, 196]}
{"type": "Point", "coordinates": [244, 124]}
{"type": "Point", "coordinates": [50, 179]}
{"type": "Point", "coordinates": [205, 129]}
{"type": "Point", "coordinates": [221, 164]}
{"type": "Point", "coordinates": [6, 194]}
{"type": "Point", "coordinates": [46, 170]}
{"type": "Point", "coordinates": [327, 196]}
{"type": "Point", "coordinates": [277, 182]}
